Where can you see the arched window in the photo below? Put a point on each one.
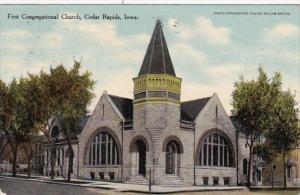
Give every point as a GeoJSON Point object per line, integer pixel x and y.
{"type": "Point", "coordinates": [54, 131]}
{"type": "Point", "coordinates": [245, 166]}
{"type": "Point", "coordinates": [215, 151]}
{"type": "Point", "coordinates": [103, 150]}
{"type": "Point", "coordinates": [171, 154]}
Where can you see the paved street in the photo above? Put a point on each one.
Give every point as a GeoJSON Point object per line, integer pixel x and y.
{"type": "Point", "coordinates": [17, 187]}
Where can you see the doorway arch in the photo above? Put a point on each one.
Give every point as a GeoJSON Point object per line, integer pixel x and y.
{"type": "Point", "coordinates": [171, 158]}
{"type": "Point", "coordinates": [138, 149]}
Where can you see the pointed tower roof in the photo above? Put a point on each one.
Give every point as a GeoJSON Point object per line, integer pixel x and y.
{"type": "Point", "coordinates": [157, 59]}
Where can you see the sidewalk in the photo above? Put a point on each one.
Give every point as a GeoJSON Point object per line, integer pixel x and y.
{"type": "Point", "coordinates": [122, 187]}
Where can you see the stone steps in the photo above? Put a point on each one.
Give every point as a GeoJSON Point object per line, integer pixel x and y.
{"type": "Point", "coordinates": [297, 182]}
{"type": "Point", "coordinates": [172, 180]}
{"type": "Point", "coordinates": [138, 179]}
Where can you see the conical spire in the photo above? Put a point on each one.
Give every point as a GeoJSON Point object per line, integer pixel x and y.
{"type": "Point", "coordinates": [157, 59]}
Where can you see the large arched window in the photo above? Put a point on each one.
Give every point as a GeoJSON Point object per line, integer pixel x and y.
{"type": "Point", "coordinates": [215, 151]}
{"type": "Point", "coordinates": [103, 150]}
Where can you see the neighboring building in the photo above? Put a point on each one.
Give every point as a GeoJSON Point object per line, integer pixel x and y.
{"type": "Point", "coordinates": [262, 172]}
{"type": "Point", "coordinates": [292, 170]}
{"type": "Point", "coordinates": [22, 160]}
{"type": "Point", "coordinates": [62, 154]}
{"type": "Point", "coordinates": [38, 154]}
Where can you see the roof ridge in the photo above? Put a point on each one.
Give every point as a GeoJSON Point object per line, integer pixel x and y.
{"type": "Point", "coordinates": [154, 36]}
{"type": "Point", "coordinates": [162, 50]}
{"type": "Point", "coordinates": [196, 99]}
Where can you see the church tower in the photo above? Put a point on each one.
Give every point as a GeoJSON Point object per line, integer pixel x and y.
{"type": "Point", "coordinates": [156, 88]}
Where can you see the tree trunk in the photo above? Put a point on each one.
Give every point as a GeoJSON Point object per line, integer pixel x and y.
{"type": "Point", "coordinates": [14, 161]}
{"type": "Point", "coordinates": [29, 168]}
{"type": "Point", "coordinates": [3, 149]}
{"type": "Point", "coordinates": [29, 155]}
{"type": "Point", "coordinates": [52, 160]}
{"type": "Point", "coordinates": [30, 158]}
{"type": "Point", "coordinates": [284, 171]}
{"type": "Point", "coordinates": [249, 167]}
{"type": "Point", "coordinates": [14, 149]}
{"type": "Point", "coordinates": [71, 156]}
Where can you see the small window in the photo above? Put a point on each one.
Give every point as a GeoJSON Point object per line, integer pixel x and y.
{"type": "Point", "coordinates": [246, 146]}
{"type": "Point", "coordinates": [57, 173]}
{"type": "Point", "coordinates": [92, 174]}
{"type": "Point", "coordinates": [102, 110]}
{"type": "Point", "coordinates": [215, 181]}
{"type": "Point", "coordinates": [101, 175]}
{"type": "Point", "coordinates": [205, 181]}
{"type": "Point", "coordinates": [226, 181]}
{"type": "Point", "coordinates": [140, 95]}
{"type": "Point", "coordinates": [245, 166]}
{"type": "Point", "coordinates": [111, 176]}
{"type": "Point", "coordinates": [216, 111]}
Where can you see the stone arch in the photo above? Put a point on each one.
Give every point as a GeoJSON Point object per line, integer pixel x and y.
{"type": "Point", "coordinates": [55, 131]}
{"type": "Point", "coordinates": [139, 148]}
{"type": "Point", "coordinates": [209, 132]}
{"type": "Point", "coordinates": [103, 129]}
{"type": "Point", "coordinates": [177, 141]}
{"type": "Point", "coordinates": [136, 138]}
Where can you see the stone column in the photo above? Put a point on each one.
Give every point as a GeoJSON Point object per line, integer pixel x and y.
{"type": "Point", "coordinates": [221, 181]}
{"type": "Point", "coordinates": [210, 181]}
{"type": "Point", "coordinates": [199, 181]}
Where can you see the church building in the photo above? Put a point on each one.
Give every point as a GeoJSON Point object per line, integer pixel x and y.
{"type": "Point", "coordinates": [156, 135]}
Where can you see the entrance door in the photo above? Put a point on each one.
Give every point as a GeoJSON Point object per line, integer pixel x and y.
{"type": "Point", "coordinates": [142, 157]}
{"type": "Point", "coordinates": [171, 158]}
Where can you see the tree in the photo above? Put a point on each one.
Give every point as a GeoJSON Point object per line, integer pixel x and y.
{"type": "Point", "coordinates": [70, 92]}
{"type": "Point", "coordinates": [30, 96]}
{"type": "Point", "coordinates": [253, 105]}
{"type": "Point", "coordinates": [12, 119]}
{"type": "Point", "coordinates": [5, 115]}
{"type": "Point", "coordinates": [285, 135]}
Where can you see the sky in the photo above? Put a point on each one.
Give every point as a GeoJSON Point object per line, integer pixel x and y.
{"type": "Point", "coordinates": [211, 46]}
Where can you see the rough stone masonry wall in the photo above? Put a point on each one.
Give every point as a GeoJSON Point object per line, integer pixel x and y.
{"type": "Point", "coordinates": [157, 123]}
{"type": "Point", "coordinates": [207, 120]}
{"type": "Point", "coordinates": [109, 121]}
{"type": "Point", "coordinates": [243, 154]}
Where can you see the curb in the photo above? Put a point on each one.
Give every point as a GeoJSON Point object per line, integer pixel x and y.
{"type": "Point", "coordinates": [54, 182]}
{"type": "Point", "coordinates": [125, 190]}
{"type": "Point", "coordinates": [181, 191]}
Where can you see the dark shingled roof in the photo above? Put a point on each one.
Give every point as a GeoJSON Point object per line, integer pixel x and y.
{"type": "Point", "coordinates": [236, 124]}
{"type": "Point", "coordinates": [82, 122]}
{"type": "Point", "coordinates": [157, 59]}
{"type": "Point", "coordinates": [124, 105]}
{"type": "Point", "coordinates": [191, 109]}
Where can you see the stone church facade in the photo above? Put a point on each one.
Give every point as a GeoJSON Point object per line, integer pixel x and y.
{"type": "Point", "coordinates": [156, 135]}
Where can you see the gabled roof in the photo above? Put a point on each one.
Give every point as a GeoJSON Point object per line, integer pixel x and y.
{"type": "Point", "coordinates": [237, 124]}
{"type": "Point", "coordinates": [82, 122]}
{"type": "Point", "coordinates": [157, 59]}
{"type": "Point", "coordinates": [191, 109]}
{"type": "Point", "coordinates": [124, 105]}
